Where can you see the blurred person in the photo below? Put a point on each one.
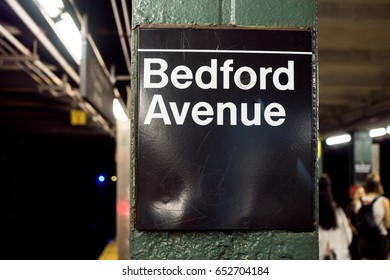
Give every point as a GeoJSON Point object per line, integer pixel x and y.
{"type": "Point", "coordinates": [355, 192]}
{"type": "Point", "coordinates": [334, 233]}
{"type": "Point", "coordinates": [375, 246]}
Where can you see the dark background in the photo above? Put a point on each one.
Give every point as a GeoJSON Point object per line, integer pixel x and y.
{"type": "Point", "coordinates": [51, 203]}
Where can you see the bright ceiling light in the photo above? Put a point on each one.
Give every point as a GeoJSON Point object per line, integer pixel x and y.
{"type": "Point", "coordinates": [345, 138]}
{"type": "Point", "coordinates": [388, 129]}
{"type": "Point", "coordinates": [52, 7]}
{"type": "Point", "coordinates": [118, 110]}
{"type": "Point", "coordinates": [71, 36]}
{"type": "Point", "coordinates": [376, 132]}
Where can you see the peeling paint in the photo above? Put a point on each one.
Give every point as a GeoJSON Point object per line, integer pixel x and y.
{"type": "Point", "coordinates": [270, 13]}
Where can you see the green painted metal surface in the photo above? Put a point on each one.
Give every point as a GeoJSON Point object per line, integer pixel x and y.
{"type": "Point", "coordinates": [266, 13]}
{"type": "Point", "coordinates": [361, 155]}
{"type": "Point", "coordinates": [301, 14]}
{"type": "Point", "coordinates": [222, 245]}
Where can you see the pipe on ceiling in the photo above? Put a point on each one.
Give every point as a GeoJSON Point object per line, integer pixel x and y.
{"type": "Point", "coordinates": [75, 95]}
{"type": "Point", "coordinates": [27, 53]}
{"type": "Point", "coordinates": [127, 21]}
{"type": "Point", "coordinates": [36, 30]}
{"type": "Point", "coordinates": [120, 32]}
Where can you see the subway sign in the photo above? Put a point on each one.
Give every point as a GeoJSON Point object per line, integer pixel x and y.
{"type": "Point", "coordinates": [225, 129]}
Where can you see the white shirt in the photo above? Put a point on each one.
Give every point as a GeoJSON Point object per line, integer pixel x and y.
{"type": "Point", "coordinates": [337, 239]}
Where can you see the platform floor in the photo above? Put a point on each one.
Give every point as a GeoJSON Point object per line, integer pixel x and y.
{"type": "Point", "coordinates": [110, 252]}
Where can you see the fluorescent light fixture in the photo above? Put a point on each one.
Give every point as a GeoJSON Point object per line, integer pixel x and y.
{"type": "Point", "coordinates": [388, 129]}
{"type": "Point", "coordinates": [70, 34]}
{"type": "Point", "coordinates": [345, 138]}
{"type": "Point", "coordinates": [117, 109]}
{"type": "Point", "coordinates": [376, 132]}
{"type": "Point", "coordinates": [52, 7]}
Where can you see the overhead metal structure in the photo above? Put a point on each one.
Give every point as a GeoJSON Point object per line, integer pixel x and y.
{"type": "Point", "coordinates": [34, 63]}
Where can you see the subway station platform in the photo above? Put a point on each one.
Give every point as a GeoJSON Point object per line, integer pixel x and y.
{"type": "Point", "coordinates": [110, 252]}
{"type": "Point", "coordinates": [57, 138]}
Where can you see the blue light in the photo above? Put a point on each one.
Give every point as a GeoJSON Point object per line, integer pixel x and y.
{"type": "Point", "coordinates": [101, 178]}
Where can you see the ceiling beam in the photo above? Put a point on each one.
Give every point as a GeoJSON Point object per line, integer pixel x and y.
{"type": "Point", "coordinates": [354, 10]}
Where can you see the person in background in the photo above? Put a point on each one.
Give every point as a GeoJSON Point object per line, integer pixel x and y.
{"type": "Point", "coordinates": [376, 247]}
{"type": "Point", "coordinates": [334, 233]}
{"type": "Point", "coordinates": [355, 192]}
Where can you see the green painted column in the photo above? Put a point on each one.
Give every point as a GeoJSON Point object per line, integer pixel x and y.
{"type": "Point", "coordinates": [273, 14]}
{"type": "Point", "coordinates": [360, 159]}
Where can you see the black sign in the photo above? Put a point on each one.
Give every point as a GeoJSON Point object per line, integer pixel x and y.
{"type": "Point", "coordinates": [225, 130]}
{"type": "Point", "coordinates": [95, 85]}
